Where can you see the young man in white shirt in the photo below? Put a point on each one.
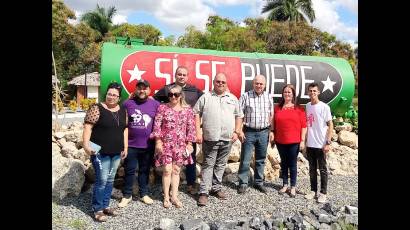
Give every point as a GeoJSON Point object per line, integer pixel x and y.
{"type": "Point", "coordinates": [319, 134]}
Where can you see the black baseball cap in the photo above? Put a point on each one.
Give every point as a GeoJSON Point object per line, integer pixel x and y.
{"type": "Point", "coordinates": [143, 82]}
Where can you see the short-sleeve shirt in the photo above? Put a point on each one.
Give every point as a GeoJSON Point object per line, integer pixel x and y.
{"type": "Point", "coordinates": [108, 128]}
{"type": "Point", "coordinates": [288, 124]}
{"type": "Point", "coordinates": [257, 109]}
{"type": "Point", "coordinates": [218, 115]}
{"type": "Point", "coordinates": [141, 117]}
{"type": "Point", "coordinates": [317, 116]}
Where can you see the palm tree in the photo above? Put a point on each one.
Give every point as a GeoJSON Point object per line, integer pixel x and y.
{"type": "Point", "coordinates": [100, 19]}
{"type": "Point", "coordinates": [290, 10]}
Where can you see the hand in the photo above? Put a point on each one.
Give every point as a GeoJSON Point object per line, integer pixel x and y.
{"type": "Point", "coordinates": [199, 138]}
{"type": "Point", "coordinates": [326, 148]}
{"type": "Point", "coordinates": [89, 151]}
{"type": "Point", "coordinates": [234, 137]}
{"type": "Point", "coordinates": [241, 136]}
{"type": "Point", "coordinates": [271, 137]}
{"type": "Point", "coordinates": [158, 147]}
{"type": "Point", "coordinates": [189, 147]}
{"type": "Point", "coordinates": [302, 146]}
{"type": "Point", "coordinates": [124, 154]}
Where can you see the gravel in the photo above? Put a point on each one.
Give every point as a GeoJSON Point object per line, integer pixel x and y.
{"type": "Point", "coordinates": [76, 213]}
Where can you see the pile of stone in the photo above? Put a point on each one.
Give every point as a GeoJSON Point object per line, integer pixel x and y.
{"type": "Point", "coordinates": [325, 218]}
{"type": "Point", "coordinates": [73, 171]}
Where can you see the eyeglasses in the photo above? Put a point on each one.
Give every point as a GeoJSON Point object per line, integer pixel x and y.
{"type": "Point", "coordinates": [174, 94]}
{"type": "Point", "coordinates": [181, 74]}
{"type": "Point", "coordinates": [221, 82]}
{"type": "Point", "coordinates": [112, 95]}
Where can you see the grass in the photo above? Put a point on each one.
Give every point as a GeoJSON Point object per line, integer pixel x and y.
{"type": "Point", "coordinates": [78, 224]}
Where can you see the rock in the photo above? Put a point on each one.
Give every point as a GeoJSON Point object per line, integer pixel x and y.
{"type": "Point", "coordinates": [81, 155]}
{"type": "Point", "coordinates": [90, 174]}
{"type": "Point", "coordinates": [76, 125]}
{"type": "Point", "coordinates": [69, 150]}
{"type": "Point", "coordinates": [232, 168]}
{"type": "Point", "coordinates": [53, 139]}
{"type": "Point", "coordinates": [348, 139]}
{"type": "Point", "coordinates": [324, 218]}
{"type": "Point", "coordinates": [67, 177]}
{"type": "Point", "coordinates": [329, 208]}
{"type": "Point", "coordinates": [335, 226]}
{"type": "Point", "coordinates": [335, 137]}
{"type": "Point", "coordinates": [351, 210]}
{"type": "Point", "coordinates": [198, 169]}
{"type": "Point", "coordinates": [297, 219]}
{"type": "Point", "coordinates": [267, 224]}
{"type": "Point", "coordinates": [200, 154]}
{"type": "Point", "coordinates": [324, 226]}
{"type": "Point", "coordinates": [254, 223]}
{"type": "Point", "coordinates": [64, 127]}
{"type": "Point", "coordinates": [346, 126]}
{"type": "Point", "coordinates": [74, 135]}
{"type": "Point", "coordinates": [339, 120]}
{"type": "Point", "coordinates": [312, 220]}
{"type": "Point", "coordinates": [230, 178]}
{"type": "Point", "coordinates": [166, 223]}
{"type": "Point", "coordinates": [352, 219]}
{"type": "Point", "coordinates": [289, 225]}
{"type": "Point", "coordinates": [195, 224]}
{"type": "Point", "coordinates": [235, 154]}
{"type": "Point", "coordinates": [55, 149]}
{"type": "Point", "coordinates": [59, 135]}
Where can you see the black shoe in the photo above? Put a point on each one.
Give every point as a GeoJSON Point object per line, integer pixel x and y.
{"type": "Point", "coordinates": [261, 188]}
{"type": "Point", "coordinates": [242, 189]}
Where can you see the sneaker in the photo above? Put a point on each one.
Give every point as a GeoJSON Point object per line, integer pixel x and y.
{"type": "Point", "coordinates": [146, 200]}
{"type": "Point", "coordinates": [310, 195]}
{"type": "Point", "coordinates": [321, 198]}
{"type": "Point", "coordinates": [203, 199]}
{"type": "Point", "coordinates": [242, 189]}
{"type": "Point", "coordinates": [219, 194]}
{"type": "Point", "coordinates": [260, 188]}
{"type": "Point", "coordinates": [124, 202]}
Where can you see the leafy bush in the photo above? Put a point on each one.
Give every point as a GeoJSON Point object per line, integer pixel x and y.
{"type": "Point", "coordinates": [85, 103]}
{"type": "Point", "coordinates": [73, 105]}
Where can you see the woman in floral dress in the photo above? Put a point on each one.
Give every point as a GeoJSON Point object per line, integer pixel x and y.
{"type": "Point", "coordinates": [174, 132]}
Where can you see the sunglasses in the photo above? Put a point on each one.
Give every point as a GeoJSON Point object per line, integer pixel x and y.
{"type": "Point", "coordinates": [174, 94]}
{"type": "Point", "coordinates": [221, 82]}
{"type": "Point", "coordinates": [181, 74]}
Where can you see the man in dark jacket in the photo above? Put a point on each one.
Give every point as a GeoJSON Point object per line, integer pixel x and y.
{"type": "Point", "coordinates": [191, 96]}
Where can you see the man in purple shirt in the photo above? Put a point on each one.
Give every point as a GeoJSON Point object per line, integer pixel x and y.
{"type": "Point", "coordinates": [141, 112]}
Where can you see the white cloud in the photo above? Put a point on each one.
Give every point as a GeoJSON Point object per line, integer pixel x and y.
{"type": "Point", "coordinates": [77, 20]}
{"type": "Point", "coordinates": [118, 19]}
{"type": "Point", "coordinates": [351, 5]}
{"type": "Point", "coordinates": [327, 19]}
{"type": "Point", "coordinates": [178, 14]}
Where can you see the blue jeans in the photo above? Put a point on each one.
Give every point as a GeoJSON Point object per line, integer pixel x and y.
{"type": "Point", "coordinates": [143, 159]}
{"type": "Point", "coordinates": [288, 162]}
{"type": "Point", "coordinates": [259, 140]}
{"type": "Point", "coordinates": [105, 167]}
{"type": "Point", "coordinates": [190, 170]}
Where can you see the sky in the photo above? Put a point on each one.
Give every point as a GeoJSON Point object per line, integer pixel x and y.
{"type": "Point", "coordinates": [171, 17]}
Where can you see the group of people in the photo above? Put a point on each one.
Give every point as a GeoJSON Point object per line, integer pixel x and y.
{"type": "Point", "coordinates": [164, 130]}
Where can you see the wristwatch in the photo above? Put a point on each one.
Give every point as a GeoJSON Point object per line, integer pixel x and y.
{"type": "Point", "coordinates": [328, 142]}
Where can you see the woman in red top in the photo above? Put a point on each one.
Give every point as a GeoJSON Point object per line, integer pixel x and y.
{"type": "Point", "coordinates": [290, 131]}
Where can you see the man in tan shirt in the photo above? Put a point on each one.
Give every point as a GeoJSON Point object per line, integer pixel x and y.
{"type": "Point", "coordinates": [221, 123]}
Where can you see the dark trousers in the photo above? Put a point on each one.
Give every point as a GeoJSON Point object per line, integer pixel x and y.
{"type": "Point", "coordinates": [316, 156]}
{"type": "Point", "coordinates": [190, 170]}
{"type": "Point", "coordinates": [143, 159]}
{"type": "Point", "coordinates": [288, 162]}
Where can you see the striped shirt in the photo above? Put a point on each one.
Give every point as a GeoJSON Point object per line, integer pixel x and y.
{"type": "Point", "coordinates": [258, 109]}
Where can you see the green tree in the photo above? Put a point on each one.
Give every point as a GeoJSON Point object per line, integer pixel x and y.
{"type": "Point", "coordinates": [192, 38]}
{"type": "Point", "coordinates": [149, 33]}
{"type": "Point", "coordinates": [168, 41]}
{"type": "Point", "coordinates": [290, 10]}
{"type": "Point", "coordinates": [100, 19]}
